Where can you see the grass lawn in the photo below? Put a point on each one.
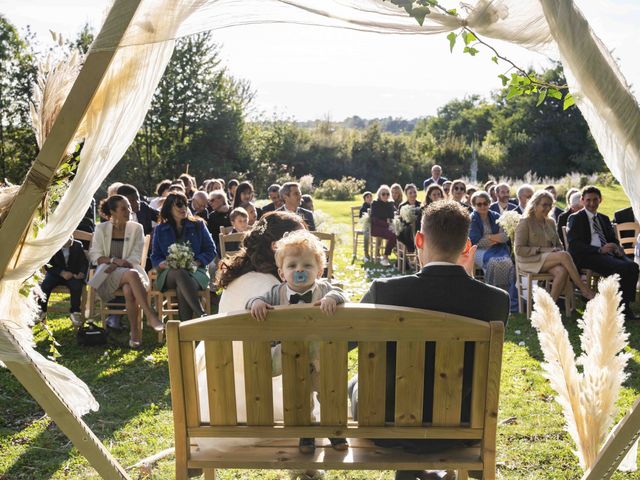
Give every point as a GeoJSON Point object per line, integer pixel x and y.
{"type": "Point", "coordinates": [135, 420]}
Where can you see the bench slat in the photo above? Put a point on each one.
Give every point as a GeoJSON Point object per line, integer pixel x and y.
{"type": "Point", "coordinates": [190, 380]}
{"type": "Point", "coordinates": [333, 383]}
{"type": "Point", "coordinates": [447, 399]}
{"type": "Point", "coordinates": [220, 383]}
{"type": "Point", "coordinates": [409, 383]}
{"type": "Point", "coordinates": [372, 370]}
{"type": "Point", "coordinates": [296, 383]}
{"type": "Point", "coordinates": [258, 386]}
{"type": "Point", "coordinates": [479, 385]}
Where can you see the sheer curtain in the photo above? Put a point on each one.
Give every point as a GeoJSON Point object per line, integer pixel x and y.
{"type": "Point", "coordinates": [116, 113]}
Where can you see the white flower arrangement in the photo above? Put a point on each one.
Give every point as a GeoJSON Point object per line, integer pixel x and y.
{"type": "Point", "coordinates": [409, 214]}
{"type": "Point", "coordinates": [509, 221]}
{"type": "Point", "coordinates": [181, 256]}
{"type": "Point", "coordinates": [365, 222]}
{"type": "Point", "coordinates": [397, 225]}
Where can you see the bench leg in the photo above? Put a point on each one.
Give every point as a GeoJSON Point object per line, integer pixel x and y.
{"type": "Point", "coordinates": [462, 475]}
{"type": "Point", "coordinates": [209, 474]}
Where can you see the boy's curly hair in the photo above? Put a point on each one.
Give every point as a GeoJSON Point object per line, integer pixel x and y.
{"type": "Point", "coordinates": [297, 242]}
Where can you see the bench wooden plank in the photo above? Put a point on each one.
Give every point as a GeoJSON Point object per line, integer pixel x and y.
{"type": "Point", "coordinates": [190, 379]}
{"type": "Point", "coordinates": [479, 384]}
{"type": "Point", "coordinates": [333, 383]}
{"type": "Point", "coordinates": [491, 407]}
{"type": "Point", "coordinates": [447, 398]}
{"type": "Point", "coordinates": [409, 383]}
{"type": "Point", "coordinates": [372, 370]}
{"type": "Point", "coordinates": [296, 383]}
{"type": "Point", "coordinates": [220, 383]}
{"type": "Point", "coordinates": [362, 454]}
{"type": "Point", "coordinates": [352, 430]}
{"type": "Point", "coordinates": [258, 386]}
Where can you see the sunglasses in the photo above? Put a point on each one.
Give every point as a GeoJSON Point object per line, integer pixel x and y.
{"type": "Point", "coordinates": [459, 189]}
{"type": "Point", "coordinates": [482, 204]}
{"type": "Point", "coordinates": [384, 194]}
{"type": "Point", "coordinates": [180, 204]}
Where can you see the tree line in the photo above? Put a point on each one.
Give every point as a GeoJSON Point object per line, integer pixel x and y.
{"type": "Point", "coordinates": [201, 120]}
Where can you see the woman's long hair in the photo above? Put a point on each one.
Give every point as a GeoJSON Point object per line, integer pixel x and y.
{"type": "Point", "coordinates": [256, 253]}
{"type": "Point", "coordinates": [243, 187]}
{"type": "Point", "coordinates": [165, 211]}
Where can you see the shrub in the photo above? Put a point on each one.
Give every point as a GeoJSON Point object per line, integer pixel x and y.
{"type": "Point", "coordinates": [306, 184]}
{"type": "Point", "coordinates": [344, 189]}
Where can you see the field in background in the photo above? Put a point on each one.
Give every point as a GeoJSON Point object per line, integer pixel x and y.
{"type": "Point", "coordinates": [135, 419]}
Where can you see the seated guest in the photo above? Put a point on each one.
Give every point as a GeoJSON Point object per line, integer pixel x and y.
{"type": "Point", "coordinates": [233, 185]}
{"type": "Point", "coordinates": [382, 213]}
{"type": "Point", "coordinates": [367, 199]}
{"type": "Point", "coordinates": [199, 204]}
{"type": "Point", "coordinates": [487, 187]}
{"type": "Point", "coordinates": [573, 205]}
{"type": "Point", "coordinates": [189, 184]}
{"type": "Point", "coordinates": [396, 195]}
{"type": "Point", "coordinates": [67, 267]}
{"type": "Point", "coordinates": [459, 194]}
{"type": "Point", "coordinates": [625, 215]}
{"type": "Point", "coordinates": [162, 190]}
{"type": "Point", "coordinates": [434, 193]}
{"type": "Point", "coordinates": [113, 189]}
{"type": "Point", "coordinates": [291, 196]}
{"type": "Point", "coordinates": [492, 193]}
{"type": "Point", "coordinates": [239, 220]}
{"type": "Point", "coordinates": [502, 204]}
{"type": "Point", "coordinates": [88, 223]}
{"type": "Point", "coordinates": [176, 187]}
{"type": "Point", "coordinates": [446, 187]}
{"type": "Point", "coordinates": [409, 230]}
{"type": "Point", "coordinates": [273, 192]}
{"type": "Point", "coordinates": [539, 250]}
{"type": "Point", "coordinates": [471, 189]}
{"type": "Point", "coordinates": [307, 202]}
{"type": "Point", "coordinates": [593, 244]}
{"type": "Point", "coordinates": [524, 193]}
{"type": "Point", "coordinates": [142, 212]}
{"type": "Point", "coordinates": [250, 208]}
{"type": "Point", "coordinates": [118, 243]}
{"type": "Point", "coordinates": [214, 184]}
{"type": "Point", "coordinates": [556, 209]}
{"type": "Point", "coordinates": [436, 177]}
{"type": "Point", "coordinates": [443, 285]}
{"type": "Point", "coordinates": [244, 194]}
{"type": "Point", "coordinates": [178, 226]}
{"type": "Point", "coordinates": [218, 215]}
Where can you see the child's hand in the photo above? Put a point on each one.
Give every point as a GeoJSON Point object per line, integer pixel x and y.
{"type": "Point", "coordinates": [327, 305]}
{"type": "Point", "coordinates": [259, 310]}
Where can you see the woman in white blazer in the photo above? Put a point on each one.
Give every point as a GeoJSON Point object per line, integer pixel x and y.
{"type": "Point", "coordinates": [118, 243]}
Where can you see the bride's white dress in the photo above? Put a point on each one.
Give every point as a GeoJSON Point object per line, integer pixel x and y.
{"type": "Point", "coordinates": [234, 298]}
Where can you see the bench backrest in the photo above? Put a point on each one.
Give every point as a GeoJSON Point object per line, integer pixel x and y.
{"type": "Point", "coordinates": [369, 325]}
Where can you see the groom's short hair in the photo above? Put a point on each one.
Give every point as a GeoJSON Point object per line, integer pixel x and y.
{"type": "Point", "coordinates": [445, 225]}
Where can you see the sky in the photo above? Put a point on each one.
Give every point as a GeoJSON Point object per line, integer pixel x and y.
{"type": "Point", "coordinates": [307, 73]}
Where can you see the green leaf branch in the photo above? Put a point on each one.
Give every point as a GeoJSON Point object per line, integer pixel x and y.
{"type": "Point", "coordinates": [518, 82]}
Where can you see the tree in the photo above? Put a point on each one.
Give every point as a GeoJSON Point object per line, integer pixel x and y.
{"type": "Point", "coordinates": [17, 75]}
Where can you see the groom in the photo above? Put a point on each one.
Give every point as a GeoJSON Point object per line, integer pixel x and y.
{"type": "Point", "coordinates": [442, 285]}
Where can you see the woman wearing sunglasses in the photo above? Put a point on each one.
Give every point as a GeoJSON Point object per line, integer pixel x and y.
{"type": "Point", "coordinates": [493, 254]}
{"type": "Point", "coordinates": [459, 193]}
{"type": "Point", "coordinates": [382, 212]}
{"type": "Point", "coordinates": [179, 226]}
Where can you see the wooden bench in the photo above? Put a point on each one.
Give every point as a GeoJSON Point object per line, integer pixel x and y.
{"type": "Point", "coordinates": [197, 443]}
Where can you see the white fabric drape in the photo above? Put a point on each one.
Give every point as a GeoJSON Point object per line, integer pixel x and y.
{"type": "Point", "coordinates": [118, 110]}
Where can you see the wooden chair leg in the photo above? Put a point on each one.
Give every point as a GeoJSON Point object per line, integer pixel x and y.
{"type": "Point", "coordinates": [529, 296]}
{"type": "Point", "coordinates": [462, 475]}
{"type": "Point", "coordinates": [209, 474]}
{"type": "Point", "coordinates": [519, 288]}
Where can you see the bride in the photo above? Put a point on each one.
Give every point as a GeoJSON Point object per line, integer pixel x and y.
{"type": "Point", "coordinates": [248, 273]}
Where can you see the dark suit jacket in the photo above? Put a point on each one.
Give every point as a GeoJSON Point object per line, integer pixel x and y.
{"type": "Point", "coordinates": [443, 288]}
{"type": "Point", "coordinates": [77, 260]}
{"type": "Point", "coordinates": [268, 208]}
{"type": "Point", "coordinates": [429, 181]}
{"type": "Point", "coordinates": [563, 218]}
{"type": "Point", "coordinates": [495, 207]}
{"type": "Point", "coordinates": [307, 216]}
{"type": "Point", "coordinates": [146, 215]}
{"type": "Point", "coordinates": [579, 235]}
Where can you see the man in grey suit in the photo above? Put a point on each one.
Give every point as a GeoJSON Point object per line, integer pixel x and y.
{"type": "Point", "coordinates": [444, 285]}
{"type": "Point", "coordinates": [291, 196]}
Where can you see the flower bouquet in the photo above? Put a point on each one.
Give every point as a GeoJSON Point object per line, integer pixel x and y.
{"type": "Point", "coordinates": [181, 256]}
{"type": "Point", "coordinates": [397, 225]}
{"type": "Point", "coordinates": [509, 221]}
{"type": "Point", "coordinates": [409, 214]}
{"type": "Point", "coordinates": [365, 223]}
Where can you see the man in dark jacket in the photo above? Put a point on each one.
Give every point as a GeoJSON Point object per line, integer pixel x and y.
{"type": "Point", "coordinates": [443, 285]}
{"type": "Point", "coordinates": [593, 244]}
{"type": "Point", "coordinates": [274, 195]}
{"type": "Point", "coordinates": [291, 196]}
{"type": "Point", "coordinates": [142, 212]}
{"type": "Point", "coordinates": [68, 267]}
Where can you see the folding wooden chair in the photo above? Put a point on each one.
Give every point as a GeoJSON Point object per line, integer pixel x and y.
{"type": "Point", "coordinates": [524, 281]}
{"type": "Point", "coordinates": [627, 234]}
{"type": "Point", "coordinates": [166, 302]}
{"type": "Point", "coordinates": [357, 233]}
{"type": "Point", "coordinates": [329, 242]}
{"type": "Point", "coordinates": [230, 242]}
{"type": "Point", "coordinates": [590, 277]}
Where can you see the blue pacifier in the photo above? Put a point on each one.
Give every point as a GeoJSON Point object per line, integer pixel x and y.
{"type": "Point", "coordinates": [300, 277]}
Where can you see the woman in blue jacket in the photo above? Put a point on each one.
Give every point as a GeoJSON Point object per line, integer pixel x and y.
{"type": "Point", "coordinates": [178, 225]}
{"type": "Point", "coordinates": [494, 253]}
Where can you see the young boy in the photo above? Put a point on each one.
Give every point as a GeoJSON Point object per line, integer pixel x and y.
{"type": "Point", "coordinates": [367, 198]}
{"type": "Point", "coordinates": [239, 220]}
{"type": "Point", "coordinates": [300, 259]}
{"type": "Point", "coordinates": [67, 267]}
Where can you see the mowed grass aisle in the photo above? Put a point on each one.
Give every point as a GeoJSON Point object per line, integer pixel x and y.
{"type": "Point", "coordinates": [135, 421]}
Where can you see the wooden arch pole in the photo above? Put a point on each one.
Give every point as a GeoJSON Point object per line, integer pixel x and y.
{"type": "Point", "coordinates": [19, 218]}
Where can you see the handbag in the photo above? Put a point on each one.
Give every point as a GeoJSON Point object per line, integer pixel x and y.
{"type": "Point", "coordinates": [91, 334]}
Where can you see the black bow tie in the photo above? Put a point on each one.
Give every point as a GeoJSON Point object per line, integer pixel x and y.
{"type": "Point", "coordinates": [304, 298]}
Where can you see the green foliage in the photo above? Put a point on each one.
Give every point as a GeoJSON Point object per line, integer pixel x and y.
{"type": "Point", "coordinates": [344, 189]}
